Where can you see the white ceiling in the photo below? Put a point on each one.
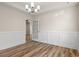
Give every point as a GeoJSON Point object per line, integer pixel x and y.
{"type": "Point", "coordinates": [45, 6]}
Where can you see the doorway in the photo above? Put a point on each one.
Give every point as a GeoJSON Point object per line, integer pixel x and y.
{"type": "Point", "coordinates": [28, 34]}
{"type": "Point", "coordinates": [35, 30]}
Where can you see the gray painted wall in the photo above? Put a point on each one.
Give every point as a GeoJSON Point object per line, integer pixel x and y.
{"type": "Point", "coordinates": [12, 26]}
{"type": "Point", "coordinates": [60, 27]}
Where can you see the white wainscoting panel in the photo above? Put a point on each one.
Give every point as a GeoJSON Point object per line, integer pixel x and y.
{"type": "Point", "coordinates": [43, 37]}
{"type": "Point", "coordinates": [10, 39]}
{"type": "Point", "coordinates": [65, 39]}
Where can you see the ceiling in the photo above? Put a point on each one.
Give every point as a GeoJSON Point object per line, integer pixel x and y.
{"type": "Point", "coordinates": [45, 6]}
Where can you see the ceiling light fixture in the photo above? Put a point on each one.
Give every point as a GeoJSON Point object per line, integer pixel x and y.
{"type": "Point", "coordinates": [32, 8]}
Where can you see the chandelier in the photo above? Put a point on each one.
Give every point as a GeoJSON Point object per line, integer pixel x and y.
{"type": "Point", "coordinates": [32, 8]}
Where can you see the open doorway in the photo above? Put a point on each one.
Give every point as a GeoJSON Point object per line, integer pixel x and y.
{"type": "Point", "coordinates": [28, 34]}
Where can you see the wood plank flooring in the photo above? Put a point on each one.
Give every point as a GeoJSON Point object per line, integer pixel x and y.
{"type": "Point", "coordinates": [38, 49]}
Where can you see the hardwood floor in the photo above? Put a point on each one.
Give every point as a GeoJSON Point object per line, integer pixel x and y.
{"type": "Point", "coordinates": [38, 49]}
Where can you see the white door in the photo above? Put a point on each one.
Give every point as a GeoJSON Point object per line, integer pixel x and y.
{"type": "Point", "coordinates": [35, 30]}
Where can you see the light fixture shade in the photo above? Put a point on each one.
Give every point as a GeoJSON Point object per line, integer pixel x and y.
{"type": "Point", "coordinates": [32, 8]}
{"type": "Point", "coordinates": [32, 4]}
{"type": "Point", "coordinates": [26, 6]}
{"type": "Point", "coordinates": [29, 10]}
{"type": "Point", "coordinates": [36, 10]}
{"type": "Point", "coordinates": [38, 7]}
